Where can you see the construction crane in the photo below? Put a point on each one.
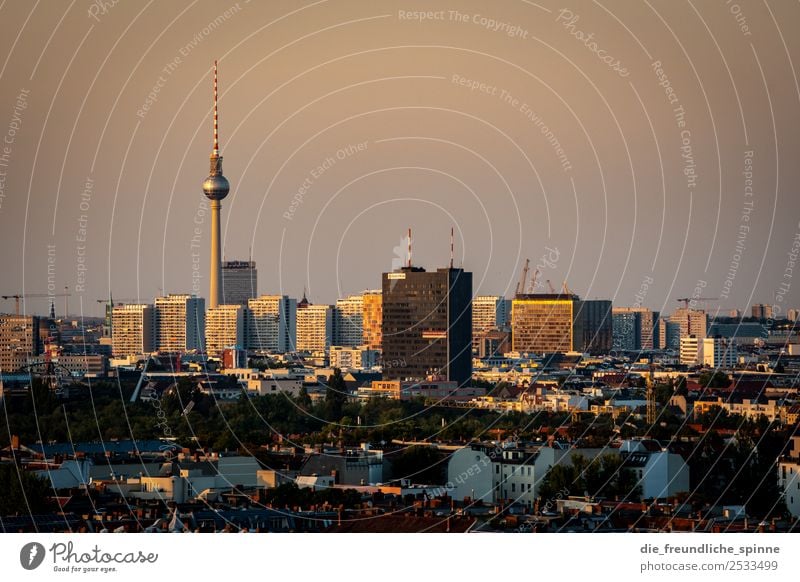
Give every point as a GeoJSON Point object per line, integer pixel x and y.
{"type": "Point", "coordinates": [550, 286]}
{"type": "Point", "coordinates": [524, 278]}
{"type": "Point", "coordinates": [18, 296]}
{"type": "Point", "coordinates": [532, 286]}
{"type": "Point", "coordinates": [687, 300]}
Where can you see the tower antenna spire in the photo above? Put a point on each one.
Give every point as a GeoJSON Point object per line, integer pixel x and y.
{"type": "Point", "coordinates": [409, 247]}
{"type": "Point", "coordinates": [216, 123]}
{"type": "Point", "coordinates": [451, 247]}
{"type": "Point", "coordinates": [215, 187]}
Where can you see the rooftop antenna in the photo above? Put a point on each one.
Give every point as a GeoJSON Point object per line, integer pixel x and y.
{"type": "Point", "coordinates": [216, 125]}
{"type": "Point", "coordinates": [409, 248]}
{"type": "Point", "coordinates": [451, 247]}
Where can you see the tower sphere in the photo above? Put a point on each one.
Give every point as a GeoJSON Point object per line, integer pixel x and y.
{"type": "Point", "coordinates": [216, 187]}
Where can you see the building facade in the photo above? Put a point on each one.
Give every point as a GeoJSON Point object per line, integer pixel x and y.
{"type": "Point", "coordinates": [690, 348]}
{"type": "Point", "coordinates": [719, 352]}
{"type": "Point", "coordinates": [239, 282]}
{"type": "Point", "coordinates": [489, 313]}
{"type": "Point", "coordinates": [543, 323]}
{"type": "Point", "coordinates": [372, 319]}
{"type": "Point", "coordinates": [691, 321]}
{"type": "Point", "coordinates": [593, 327]}
{"type": "Point", "coordinates": [133, 329]}
{"type": "Point", "coordinates": [19, 341]}
{"type": "Point", "coordinates": [427, 324]}
{"type": "Point", "coordinates": [272, 324]}
{"type": "Point", "coordinates": [348, 325]}
{"type": "Point", "coordinates": [314, 327]}
{"type": "Point", "coordinates": [358, 358]}
{"type": "Point", "coordinates": [180, 323]}
{"type": "Point", "coordinates": [761, 311]}
{"type": "Point", "coordinates": [226, 327]}
{"type": "Point", "coordinates": [635, 328]}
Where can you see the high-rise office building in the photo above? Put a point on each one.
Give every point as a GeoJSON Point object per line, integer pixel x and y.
{"type": "Point", "coordinates": [180, 323]}
{"type": "Point", "coordinates": [691, 321]}
{"type": "Point", "coordinates": [272, 324]}
{"type": "Point", "coordinates": [372, 320]}
{"type": "Point", "coordinates": [792, 314]}
{"type": "Point", "coordinates": [427, 324]}
{"type": "Point", "coordinates": [543, 322]}
{"type": "Point", "coordinates": [19, 341]}
{"type": "Point", "coordinates": [226, 327]}
{"type": "Point", "coordinates": [762, 311]}
{"type": "Point", "coordinates": [719, 352]}
{"type": "Point", "coordinates": [635, 328]}
{"type": "Point", "coordinates": [348, 325]}
{"type": "Point", "coordinates": [672, 334]}
{"type": "Point", "coordinates": [593, 328]}
{"type": "Point", "coordinates": [133, 329]}
{"type": "Point", "coordinates": [314, 327]}
{"type": "Point", "coordinates": [560, 322]}
{"type": "Point", "coordinates": [626, 327]}
{"type": "Point", "coordinates": [239, 282]}
{"type": "Point", "coordinates": [216, 188]}
{"type": "Point", "coordinates": [489, 313]}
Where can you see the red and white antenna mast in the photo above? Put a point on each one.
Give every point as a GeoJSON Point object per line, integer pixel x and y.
{"type": "Point", "coordinates": [409, 248]}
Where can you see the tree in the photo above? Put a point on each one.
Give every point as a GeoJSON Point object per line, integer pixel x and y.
{"type": "Point", "coordinates": [23, 492]}
{"type": "Point", "coordinates": [603, 476]}
{"type": "Point", "coordinates": [418, 463]}
{"type": "Point", "coordinates": [715, 379]}
{"type": "Point", "coordinates": [335, 395]}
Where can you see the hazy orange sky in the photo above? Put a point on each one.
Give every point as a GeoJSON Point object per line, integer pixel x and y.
{"type": "Point", "coordinates": [649, 149]}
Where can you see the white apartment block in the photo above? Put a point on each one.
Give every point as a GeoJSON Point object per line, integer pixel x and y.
{"type": "Point", "coordinates": [314, 328]}
{"type": "Point", "coordinates": [690, 350]}
{"type": "Point", "coordinates": [226, 328]}
{"type": "Point", "coordinates": [180, 323]}
{"type": "Point", "coordinates": [489, 312]}
{"type": "Point", "coordinates": [133, 329]}
{"type": "Point", "coordinates": [349, 321]}
{"type": "Point", "coordinates": [272, 324]}
{"type": "Point", "coordinates": [359, 358]}
{"type": "Point", "coordinates": [719, 352]}
{"type": "Point", "coordinates": [789, 477]}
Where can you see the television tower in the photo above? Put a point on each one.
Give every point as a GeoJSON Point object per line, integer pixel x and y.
{"type": "Point", "coordinates": [215, 187]}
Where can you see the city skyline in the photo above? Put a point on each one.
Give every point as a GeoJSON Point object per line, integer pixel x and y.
{"type": "Point", "coordinates": [589, 163]}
